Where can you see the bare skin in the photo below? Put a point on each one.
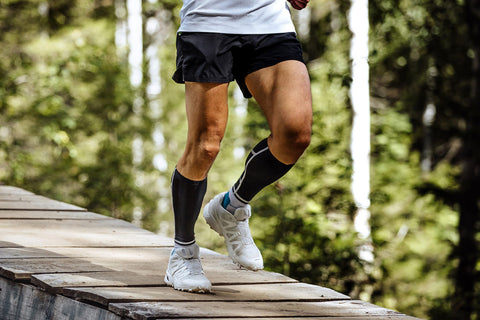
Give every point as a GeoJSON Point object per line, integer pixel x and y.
{"type": "Point", "coordinates": [283, 93]}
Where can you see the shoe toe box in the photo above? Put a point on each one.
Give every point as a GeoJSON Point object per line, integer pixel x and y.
{"type": "Point", "coordinates": [194, 284]}
{"type": "Point", "coordinates": [251, 260]}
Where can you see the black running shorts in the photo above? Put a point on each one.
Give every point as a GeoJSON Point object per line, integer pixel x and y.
{"type": "Point", "coordinates": [222, 58]}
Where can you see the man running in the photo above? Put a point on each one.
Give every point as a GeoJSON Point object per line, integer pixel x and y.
{"type": "Point", "coordinates": [254, 43]}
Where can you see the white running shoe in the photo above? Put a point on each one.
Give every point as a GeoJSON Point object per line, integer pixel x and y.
{"type": "Point", "coordinates": [234, 228]}
{"type": "Point", "coordinates": [185, 272]}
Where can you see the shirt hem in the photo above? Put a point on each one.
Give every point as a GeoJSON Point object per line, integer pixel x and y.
{"type": "Point", "coordinates": [224, 30]}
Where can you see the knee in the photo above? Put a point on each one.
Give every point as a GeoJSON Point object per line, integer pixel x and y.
{"type": "Point", "coordinates": [208, 146]}
{"type": "Point", "coordinates": [199, 155]}
{"type": "Point", "coordinates": [290, 143]}
{"type": "Point", "coordinates": [209, 149]}
{"type": "Point", "coordinates": [304, 137]}
{"type": "Point", "coordinates": [298, 138]}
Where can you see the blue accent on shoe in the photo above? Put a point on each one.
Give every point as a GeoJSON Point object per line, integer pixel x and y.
{"type": "Point", "coordinates": [226, 201]}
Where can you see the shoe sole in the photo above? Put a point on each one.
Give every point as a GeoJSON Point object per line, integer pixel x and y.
{"type": "Point", "coordinates": [170, 283]}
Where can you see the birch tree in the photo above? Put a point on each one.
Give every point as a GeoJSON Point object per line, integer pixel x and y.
{"type": "Point", "coordinates": [360, 137]}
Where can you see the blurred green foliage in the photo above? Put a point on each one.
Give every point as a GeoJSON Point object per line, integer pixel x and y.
{"type": "Point", "coordinates": [70, 121]}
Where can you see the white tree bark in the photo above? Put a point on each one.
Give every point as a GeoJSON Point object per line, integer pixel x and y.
{"type": "Point", "coordinates": [158, 28]}
{"type": "Point", "coordinates": [135, 41]}
{"type": "Point", "coordinates": [428, 119]}
{"type": "Point", "coordinates": [121, 28]}
{"type": "Point", "coordinates": [134, 45]}
{"type": "Point", "coordinates": [360, 138]}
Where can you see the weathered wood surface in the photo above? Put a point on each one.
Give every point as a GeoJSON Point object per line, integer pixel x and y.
{"type": "Point", "coordinates": [59, 261]}
{"type": "Point", "coordinates": [244, 292]}
{"type": "Point", "coordinates": [7, 190]}
{"type": "Point", "coordinates": [40, 233]}
{"type": "Point", "coordinates": [35, 203]}
{"type": "Point", "coordinates": [56, 282]}
{"type": "Point", "coordinates": [50, 215]}
{"type": "Point", "coordinates": [216, 309]}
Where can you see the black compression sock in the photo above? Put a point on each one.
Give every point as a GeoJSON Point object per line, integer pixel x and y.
{"type": "Point", "coordinates": [187, 197]}
{"type": "Point", "coordinates": [261, 169]}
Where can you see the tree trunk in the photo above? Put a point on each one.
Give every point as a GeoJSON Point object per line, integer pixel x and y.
{"type": "Point", "coordinates": [121, 28]}
{"type": "Point", "coordinates": [428, 119]}
{"type": "Point", "coordinates": [360, 137]}
{"type": "Point", "coordinates": [469, 183]}
{"type": "Point", "coordinates": [135, 41]}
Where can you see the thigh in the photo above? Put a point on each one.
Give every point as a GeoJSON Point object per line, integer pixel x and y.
{"type": "Point", "coordinates": [207, 108]}
{"type": "Point", "coordinates": [263, 51]}
{"type": "Point", "coordinates": [283, 93]}
{"type": "Point", "coordinates": [207, 113]}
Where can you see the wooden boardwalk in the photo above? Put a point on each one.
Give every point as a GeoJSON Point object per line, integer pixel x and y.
{"type": "Point", "coordinates": [58, 261]}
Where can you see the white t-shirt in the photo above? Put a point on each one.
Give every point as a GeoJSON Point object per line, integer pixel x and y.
{"type": "Point", "coordinates": [236, 16]}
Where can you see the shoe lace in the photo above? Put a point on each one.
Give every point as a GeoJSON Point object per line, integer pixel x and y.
{"type": "Point", "coordinates": [240, 232]}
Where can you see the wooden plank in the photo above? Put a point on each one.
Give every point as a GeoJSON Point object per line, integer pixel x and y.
{"type": "Point", "coordinates": [39, 205]}
{"type": "Point", "coordinates": [217, 309]}
{"type": "Point", "coordinates": [40, 226]}
{"type": "Point", "coordinates": [51, 215]}
{"type": "Point", "coordinates": [77, 233]}
{"type": "Point", "coordinates": [17, 199]}
{"type": "Point", "coordinates": [12, 190]}
{"type": "Point", "coordinates": [142, 259]}
{"type": "Point", "coordinates": [219, 268]}
{"type": "Point", "coordinates": [118, 260]}
{"type": "Point", "coordinates": [86, 240]}
{"type": "Point", "coordinates": [249, 292]}
{"type": "Point", "coordinates": [24, 302]}
{"type": "Point", "coordinates": [27, 197]}
{"type": "Point", "coordinates": [27, 253]}
{"type": "Point", "coordinates": [56, 282]}
{"type": "Point", "coordinates": [370, 317]}
{"type": "Point", "coordinates": [22, 263]}
{"type": "Point", "coordinates": [22, 197]}
{"type": "Point", "coordinates": [22, 270]}
{"type": "Point", "coordinates": [137, 253]}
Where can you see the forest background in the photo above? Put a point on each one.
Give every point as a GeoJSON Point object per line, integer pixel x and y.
{"type": "Point", "coordinates": [85, 121]}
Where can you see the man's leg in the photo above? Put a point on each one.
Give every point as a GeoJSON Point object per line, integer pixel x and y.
{"type": "Point", "coordinates": [283, 93]}
{"type": "Point", "coordinates": [207, 111]}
